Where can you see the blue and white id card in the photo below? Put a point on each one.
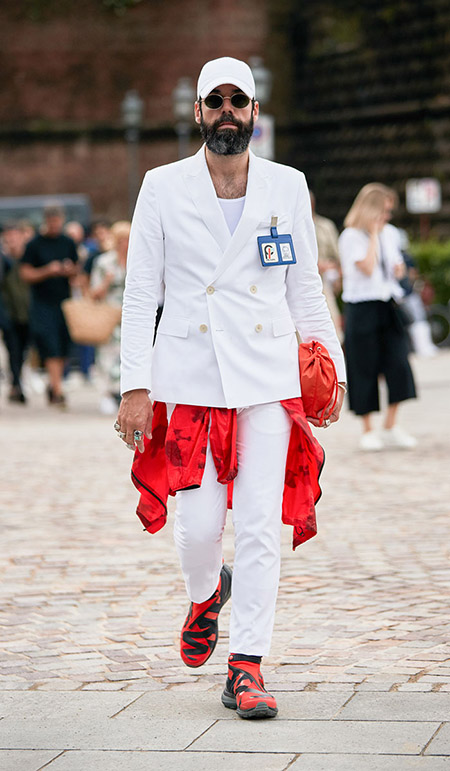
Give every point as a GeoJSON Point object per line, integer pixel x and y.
{"type": "Point", "coordinates": [276, 249]}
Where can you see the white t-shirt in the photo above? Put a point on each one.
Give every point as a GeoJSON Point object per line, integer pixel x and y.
{"type": "Point", "coordinates": [232, 211]}
{"type": "Point", "coordinates": [380, 285]}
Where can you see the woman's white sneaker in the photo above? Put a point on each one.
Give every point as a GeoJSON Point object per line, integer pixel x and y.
{"type": "Point", "coordinates": [371, 442]}
{"type": "Point", "coordinates": [398, 437]}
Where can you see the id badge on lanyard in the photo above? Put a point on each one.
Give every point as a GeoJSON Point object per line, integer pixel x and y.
{"type": "Point", "coordinates": [276, 249]}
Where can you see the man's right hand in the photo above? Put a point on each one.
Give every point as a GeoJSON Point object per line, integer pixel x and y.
{"type": "Point", "coordinates": [135, 414]}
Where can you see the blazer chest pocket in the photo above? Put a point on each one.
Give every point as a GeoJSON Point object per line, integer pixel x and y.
{"type": "Point", "coordinates": [173, 325]}
{"type": "Point", "coordinates": [283, 326]}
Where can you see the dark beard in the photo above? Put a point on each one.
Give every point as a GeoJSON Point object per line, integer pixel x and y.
{"type": "Point", "coordinates": [227, 141]}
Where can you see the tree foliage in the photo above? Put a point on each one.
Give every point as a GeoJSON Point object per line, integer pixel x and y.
{"type": "Point", "coordinates": [433, 261]}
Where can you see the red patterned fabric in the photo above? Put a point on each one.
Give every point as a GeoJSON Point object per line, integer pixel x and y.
{"type": "Point", "coordinates": [174, 459]}
{"type": "Point", "coordinates": [304, 463]}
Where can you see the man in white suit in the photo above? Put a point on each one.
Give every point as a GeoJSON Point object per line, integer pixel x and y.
{"type": "Point", "coordinates": [226, 341]}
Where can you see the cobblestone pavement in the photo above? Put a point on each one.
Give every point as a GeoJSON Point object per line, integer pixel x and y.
{"type": "Point", "coordinates": [91, 608]}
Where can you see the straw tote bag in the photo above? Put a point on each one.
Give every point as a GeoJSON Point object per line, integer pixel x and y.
{"type": "Point", "coordinates": [90, 322]}
{"type": "Point", "coordinates": [318, 379]}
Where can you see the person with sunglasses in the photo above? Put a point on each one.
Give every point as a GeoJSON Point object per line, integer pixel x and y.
{"type": "Point", "coordinates": [228, 240]}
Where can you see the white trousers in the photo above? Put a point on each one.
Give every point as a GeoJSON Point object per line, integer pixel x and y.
{"type": "Point", "coordinates": [262, 441]}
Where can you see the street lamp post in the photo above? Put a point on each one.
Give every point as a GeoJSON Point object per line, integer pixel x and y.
{"type": "Point", "coordinates": [263, 140]}
{"type": "Point", "coordinates": [132, 110]}
{"type": "Point", "coordinates": [183, 96]}
{"type": "Point", "coordinates": [263, 80]}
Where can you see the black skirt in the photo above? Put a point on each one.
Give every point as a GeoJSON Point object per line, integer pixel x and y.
{"type": "Point", "coordinates": [376, 344]}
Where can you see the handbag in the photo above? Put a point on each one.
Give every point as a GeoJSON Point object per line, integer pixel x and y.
{"type": "Point", "coordinates": [318, 379]}
{"type": "Point", "coordinates": [402, 315]}
{"type": "Point", "coordinates": [90, 322]}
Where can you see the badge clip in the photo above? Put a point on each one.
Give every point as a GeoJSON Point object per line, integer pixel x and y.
{"type": "Point", "coordinates": [276, 249]}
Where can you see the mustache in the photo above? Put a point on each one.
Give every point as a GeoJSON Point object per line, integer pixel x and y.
{"type": "Point", "coordinates": [228, 119]}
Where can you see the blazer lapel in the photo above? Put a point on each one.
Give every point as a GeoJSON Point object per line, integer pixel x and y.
{"type": "Point", "coordinates": [201, 188]}
{"type": "Point", "coordinates": [255, 207]}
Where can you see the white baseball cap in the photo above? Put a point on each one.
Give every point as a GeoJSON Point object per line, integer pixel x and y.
{"type": "Point", "coordinates": [217, 72]}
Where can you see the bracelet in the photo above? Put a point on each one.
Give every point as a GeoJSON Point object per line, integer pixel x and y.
{"type": "Point", "coordinates": [343, 386]}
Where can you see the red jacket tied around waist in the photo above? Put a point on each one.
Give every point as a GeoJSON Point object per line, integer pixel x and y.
{"type": "Point", "coordinates": [174, 459]}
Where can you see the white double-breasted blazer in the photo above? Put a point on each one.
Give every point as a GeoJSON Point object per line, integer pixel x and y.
{"type": "Point", "coordinates": [227, 333]}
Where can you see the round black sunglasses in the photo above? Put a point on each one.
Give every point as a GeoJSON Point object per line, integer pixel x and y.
{"type": "Point", "coordinates": [215, 101]}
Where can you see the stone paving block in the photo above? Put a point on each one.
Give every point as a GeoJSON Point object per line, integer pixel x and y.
{"type": "Point", "coordinates": [309, 762]}
{"type": "Point", "coordinates": [167, 761]}
{"type": "Point", "coordinates": [14, 685]}
{"type": "Point", "coordinates": [377, 685]}
{"type": "Point", "coordinates": [299, 706]}
{"type": "Point", "coordinates": [63, 706]}
{"type": "Point", "coordinates": [360, 737]}
{"type": "Point", "coordinates": [441, 742]}
{"type": "Point", "coordinates": [397, 706]}
{"type": "Point", "coordinates": [104, 686]}
{"type": "Point", "coordinates": [25, 760]}
{"type": "Point", "coordinates": [85, 733]}
{"type": "Point", "coordinates": [60, 685]}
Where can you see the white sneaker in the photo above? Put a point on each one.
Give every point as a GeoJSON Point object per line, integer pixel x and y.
{"type": "Point", "coordinates": [398, 437]}
{"type": "Point", "coordinates": [371, 441]}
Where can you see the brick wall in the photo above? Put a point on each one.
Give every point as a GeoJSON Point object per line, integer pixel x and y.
{"type": "Point", "coordinates": [361, 90]}
{"type": "Point", "coordinates": [68, 70]}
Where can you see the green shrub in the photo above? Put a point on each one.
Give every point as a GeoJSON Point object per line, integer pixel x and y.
{"type": "Point", "coordinates": [433, 263]}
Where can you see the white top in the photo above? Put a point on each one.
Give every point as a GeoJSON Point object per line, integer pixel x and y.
{"type": "Point", "coordinates": [232, 211]}
{"type": "Point", "coordinates": [381, 284]}
{"type": "Point", "coordinates": [108, 264]}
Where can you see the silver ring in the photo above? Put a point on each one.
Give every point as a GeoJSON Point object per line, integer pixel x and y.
{"type": "Point", "coordinates": [327, 422]}
{"type": "Point", "coordinates": [131, 446]}
{"type": "Point", "coordinates": [121, 434]}
{"type": "Point", "coordinates": [116, 426]}
{"type": "Point", "coordinates": [137, 435]}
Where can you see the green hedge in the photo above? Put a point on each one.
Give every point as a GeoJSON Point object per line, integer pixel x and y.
{"type": "Point", "coordinates": [433, 263]}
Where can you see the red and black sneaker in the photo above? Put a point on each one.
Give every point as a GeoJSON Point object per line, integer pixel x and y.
{"type": "Point", "coordinates": [200, 629]}
{"type": "Point", "coordinates": [244, 689]}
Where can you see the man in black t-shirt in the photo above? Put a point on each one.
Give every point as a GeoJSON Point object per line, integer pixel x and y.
{"type": "Point", "coordinates": [48, 265]}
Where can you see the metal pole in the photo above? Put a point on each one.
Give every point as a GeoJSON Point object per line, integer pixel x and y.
{"type": "Point", "coordinates": [183, 133]}
{"type": "Point", "coordinates": [132, 137]}
{"type": "Point", "coordinates": [424, 227]}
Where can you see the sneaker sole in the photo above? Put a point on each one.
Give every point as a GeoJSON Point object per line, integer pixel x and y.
{"type": "Point", "coordinates": [260, 711]}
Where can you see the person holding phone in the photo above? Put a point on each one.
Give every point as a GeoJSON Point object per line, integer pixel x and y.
{"type": "Point", "coordinates": [376, 342]}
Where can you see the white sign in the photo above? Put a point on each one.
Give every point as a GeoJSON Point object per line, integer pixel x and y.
{"type": "Point", "coordinates": [423, 196]}
{"type": "Point", "coordinates": [263, 139]}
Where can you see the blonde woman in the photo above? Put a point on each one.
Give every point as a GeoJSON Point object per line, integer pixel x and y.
{"type": "Point", "coordinates": [108, 283]}
{"type": "Point", "coordinates": [376, 342]}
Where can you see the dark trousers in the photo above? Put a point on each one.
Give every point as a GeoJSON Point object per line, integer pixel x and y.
{"type": "Point", "coordinates": [376, 344]}
{"type": "Point", "coordinates": [16, 337]}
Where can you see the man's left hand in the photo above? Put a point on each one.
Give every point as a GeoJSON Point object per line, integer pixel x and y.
{"type": "Point", "coordinates": [332, 416]}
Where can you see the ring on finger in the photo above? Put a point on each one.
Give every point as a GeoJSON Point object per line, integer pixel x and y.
{"type": "Point", "coordinates": [116, 426]}
{"type": "Point", "coordinates": [327, 423]}
{"type": "Point", "coordinates": [137, 435]}
{"type": "Point", "coordinates": [121, 434]}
